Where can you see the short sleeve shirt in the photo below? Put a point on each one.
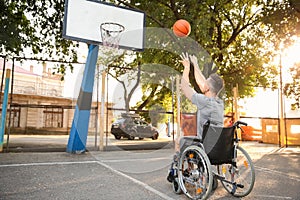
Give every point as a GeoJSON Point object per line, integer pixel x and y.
{"type": "Point", "coordinates": [208, 108]}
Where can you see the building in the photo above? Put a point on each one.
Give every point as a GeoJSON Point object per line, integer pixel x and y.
{"type": "Point", "coordinates": [38, 105]}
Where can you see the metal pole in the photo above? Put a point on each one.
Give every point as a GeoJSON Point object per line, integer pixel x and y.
{"type": "Point", "coordinates": [173, 118]}
{"type": "Point", "coordinates": [10, 102]}
{"type": "Point", "coordinates": [107, 108]}
{"type": "Point", "coordinates": [279, 138]}
{"type": "Point", "coordinates": [178, 105]}
{"type": "Point", "coordinates": [97, 107]}
{"type": "Point", "coordinates": [282, 129]}
{"type": "Point", "coordinates": [101, 148]}
{"type": "Point", "coordinates": [285, 129]}
{"type": "Point", "coordinates": [80, 124]}
{"type": "Point", "coordinates": [236, 111]}
{"type": "Point", "coordinates": [2, 78]}
{"type": "Point", "coordinates": [4, 109]}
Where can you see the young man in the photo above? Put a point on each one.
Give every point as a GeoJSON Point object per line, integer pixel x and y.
{"type": "Point", "coordinates": [209, 105]}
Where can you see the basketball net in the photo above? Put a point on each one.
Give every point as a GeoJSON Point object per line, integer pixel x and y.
{"type": "Point", "coordinates": [111, 35]}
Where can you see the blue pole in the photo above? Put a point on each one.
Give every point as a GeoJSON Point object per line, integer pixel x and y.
{"type": "Point", "coordinates": [80, 124]}
{"type": "Point", "coordinates": [4, 109]}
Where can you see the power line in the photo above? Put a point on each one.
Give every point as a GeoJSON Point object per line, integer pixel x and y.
{"type": "Point", "coordinates": [43, 60]}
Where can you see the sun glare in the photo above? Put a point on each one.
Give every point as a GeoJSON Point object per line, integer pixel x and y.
{"type": "Point", "coordinates": [291, 55]}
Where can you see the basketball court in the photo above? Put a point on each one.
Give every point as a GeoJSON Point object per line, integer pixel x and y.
{"type": "Point", "coordinates": [133, 175]}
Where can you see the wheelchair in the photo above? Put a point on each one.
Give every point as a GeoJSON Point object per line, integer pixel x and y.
{"type": "Point", "coordinates": [200, 164]}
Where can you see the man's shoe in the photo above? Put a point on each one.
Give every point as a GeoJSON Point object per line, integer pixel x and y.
{"type": "Point", "coordinates": [170, 177]}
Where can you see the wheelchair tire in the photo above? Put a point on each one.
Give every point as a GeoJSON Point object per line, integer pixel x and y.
{"type": "Point", "coordinates": [176, 186]}
{"type": "Point", "coordinates": [195, 173]}
{"type": "Point", "coordinates": [239, 180]}
{"type": "Point", "coordinates": [215, 183]}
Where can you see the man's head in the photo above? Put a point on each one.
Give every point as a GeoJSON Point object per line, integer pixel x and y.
{"type": "Point", "coordinates": [215, 83]}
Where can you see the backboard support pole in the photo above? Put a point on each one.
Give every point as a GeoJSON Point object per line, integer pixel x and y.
{"type": "Point", "coordinates": [4, 109]}
{"type": "Point", "coordinates": [80, 125]}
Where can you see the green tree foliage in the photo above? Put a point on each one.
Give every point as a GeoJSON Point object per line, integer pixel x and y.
{"type": "Point", "coordinates": [35, 28]}
{"type": "Point", "coordinates": [241, 36]}
{"type": "Point", "coordinates": [292, 90]}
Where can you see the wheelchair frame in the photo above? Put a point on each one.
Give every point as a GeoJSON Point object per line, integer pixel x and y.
{"type": "Point", "coordinates": [192, 172]}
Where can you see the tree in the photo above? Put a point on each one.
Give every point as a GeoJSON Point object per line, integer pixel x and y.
{"type": "Point", "coordinates": [292, 90]}
{"type": "Point", "coordinates": [126, 83]}
{"type": "Point", "coordinates": [240, 36]}
{"type": "Point", "coordinates": [35, 28]}
{"type": "Point", "coordinates": [122, 68]}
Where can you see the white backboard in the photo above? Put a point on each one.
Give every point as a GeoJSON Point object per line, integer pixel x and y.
{"type": "Point", "coordinates": [83, 18]}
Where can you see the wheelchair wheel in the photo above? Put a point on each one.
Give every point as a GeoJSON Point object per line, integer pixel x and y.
{"type": "Point", "coordinates": [194, 173]}
{"type": "Point", "coordinates": [215, 183]}
{"type": "Point", "coordinates": [239, 180]}
{"type": "Point", "coordinates": [176, 186]}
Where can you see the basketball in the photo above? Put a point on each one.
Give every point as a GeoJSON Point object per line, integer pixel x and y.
{"type": "Point", "coordinates": [181, 28]}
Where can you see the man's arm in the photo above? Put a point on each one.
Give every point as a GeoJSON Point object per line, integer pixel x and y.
{"type": "Point", "coordinates": [187, 90]}
{"type": "Point", "coordinates": [199, 77]}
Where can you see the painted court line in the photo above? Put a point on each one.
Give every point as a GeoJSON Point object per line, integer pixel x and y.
{"type": "Point", "coordinates": [136, 159]}
{"type": "Point", "coordinates": [144, 185]}
{"type": "Point", "coordinates": [271, 197]}
{"type": "Point", "coordinates": [275, 172]}
{"type": "Point", "coordinates": [48, 163]}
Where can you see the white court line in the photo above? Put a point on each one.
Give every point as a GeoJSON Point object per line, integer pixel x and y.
{"type": "Point", "coordinates": [144, 185]}
{"type": "Point", "coordinates": [271, 197]}
{"type": "Point", "coordinates": [293, 177]}
{"type": "Point", "coordinates": [83, 162]}
{"type": "Point", "coordinates": [47, 164]}
{"type": "Point", "coordinates": [136, 159]}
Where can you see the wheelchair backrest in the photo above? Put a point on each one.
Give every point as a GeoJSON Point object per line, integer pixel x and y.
{"type": "Point", "coordinates": [218, 143]}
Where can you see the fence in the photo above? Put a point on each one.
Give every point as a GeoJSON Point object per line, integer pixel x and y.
{"type": "Point", "coordinates": [289, 137]}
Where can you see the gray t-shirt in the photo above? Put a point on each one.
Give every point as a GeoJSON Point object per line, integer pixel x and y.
{"type": "Point", "coordinates": [211, 109]}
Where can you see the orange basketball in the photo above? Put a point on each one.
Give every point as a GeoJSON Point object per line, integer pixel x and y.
{"type": "Point", "coordinates": [181, 28]}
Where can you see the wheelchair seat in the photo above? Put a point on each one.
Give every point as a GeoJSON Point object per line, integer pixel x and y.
{"type": "Point", "coordinates": [218, 143]}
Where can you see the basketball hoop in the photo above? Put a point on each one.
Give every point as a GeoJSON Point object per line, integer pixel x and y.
{"type": "Point", "coordinates": [111, 34]}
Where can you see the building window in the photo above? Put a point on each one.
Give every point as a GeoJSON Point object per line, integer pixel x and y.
{"type": "Point", "coordinates": [29, 90]}
{"type": "Point", "coordinates": [52, 92]}
{"type": "Point", "coordinates": [53, 117]}
{"type": "Point", "coordinates": [14, 117]}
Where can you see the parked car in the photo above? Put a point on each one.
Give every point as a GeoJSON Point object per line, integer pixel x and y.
{"type": "Point", "coordinates": [131, 127]}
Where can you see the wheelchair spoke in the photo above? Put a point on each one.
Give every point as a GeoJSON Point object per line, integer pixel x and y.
{"type": "Point", "coordinates": [195, 176]}
{"type": "Point", "coordinates": [240, 176]}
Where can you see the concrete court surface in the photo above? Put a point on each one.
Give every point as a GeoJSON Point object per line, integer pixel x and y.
{"type": "Point", "coordinates": [139, 174]}
{"type": "Point", "coordinates": [58, 143]}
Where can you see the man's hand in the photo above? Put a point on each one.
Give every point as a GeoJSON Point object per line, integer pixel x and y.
{"type": "Point", "coordinates": [185, 60]}
{"type": "Point", "coordinates": [194, 60]}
